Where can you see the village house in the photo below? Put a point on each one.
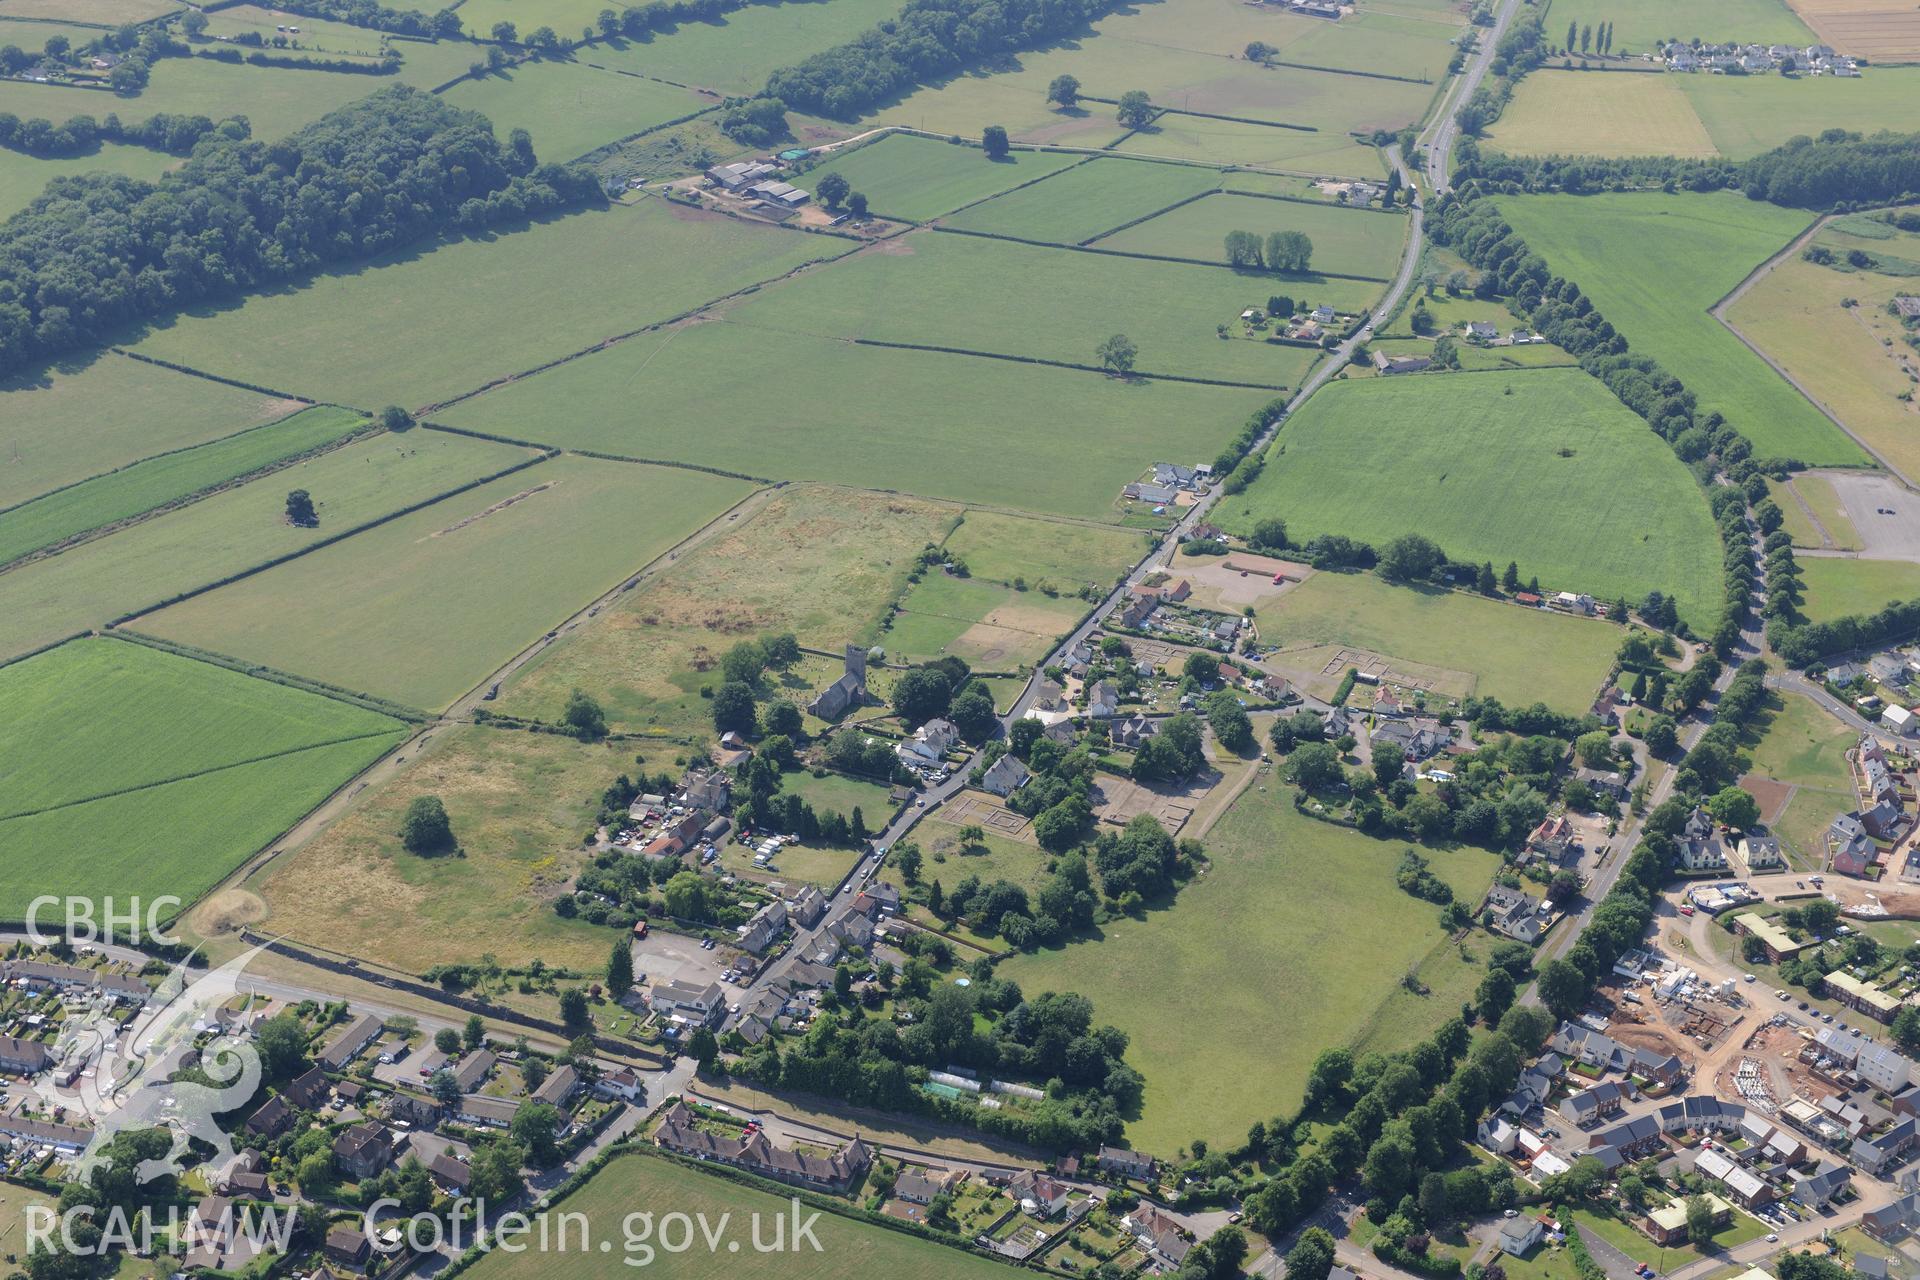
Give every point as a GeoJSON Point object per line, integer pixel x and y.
{"type": "Point", "coordinates": [1511, 912]}
{"type": "Point", "coordinates": [929, 745]}
{"type": "Point", "coordinates": [622, 1084]}
{"type": "Point", "coordinates": [806, 906]}
{"type": "Point", "coordinates": [1103, 701]}
{"type": "Point", "coordinates": [1699, 845]}
{"type": "Point", "coordinates": [1759, 853]}
{"type": "Point", "coordinates": [1122, 1163]}
{"type": "Point", "coordinates": [559, 1088]}
{"type": "Point", "coordinates": [767, 924]}
{"type": "Point", "coordinates": [349, 1041]}
{"type": "Point", "coordinates": [1038, 1194]}
{"type": "Point", "coordinates": [1005, 776]}
{"type": "Point", "coordinates": [1849, 846]}
{"type": "Point", "coordinates": [1554, 839]}
{"type": "Point", "coordinates": [473, 1069]}
{"type": "Point", "coordinates": [363, 1150]}
{"type": "Point", "coordinates": [755, 1153]}
{"type": "Point", "coordinates": [1159, 1236]}
{"type": "Point", "coordinates": [920, 1186]}
{"type": "Point", "coordinates": [1519, 1235]}
{"type": "Point", "coordinates": [1129, 733]}
{"type": "Point", "coordinates": [686, 1002]}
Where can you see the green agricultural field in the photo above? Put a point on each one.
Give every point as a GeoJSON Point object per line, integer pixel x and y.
{"type": "Point", "coordinates": [1601, 114]}
{"type": "Point", "coordinates": [1543, 467]}
{"type": "Point", "coordinates": [1093, 198]}
{"type": "Point", "coordinates": [836, 793]}
{"type": "Point", "coordinates": [967, 432]}
{"type": "Point", "coordinates": [99, 13]}
{"type": "Point", "coordinates": [65, 425]}
{"type": "Point", "coordinates": [991, 627]}
{"type": "Point", "coordinates": [943, 290]}
{"type": "Point", "coordinates": [1258, 956]}
{"type": "Point", "coordinates": [736, 52]}
{"type": "Point", "coordinates": [470, 311]}
{"type": "Point", "coordinates": [569, 108]}
{"type": "Point", "coordinates": [1749, 114]}
{"type": "Point", "coordinates": [24, 177]}
{"type": "Point", "coordinates": [1517, 655]}
{"type": "Point", "coordinates": [518, 803]}
{"type": "Point", "coordinates": [916, 179]}
{"type": "Point", "coordinates": [155, 482]}
{"type": "Point", "coordinates": [144, 773]}
{"type": "Point", "coordinates": [640, 1181]}
{"type": "Point", "coordinates": [1377, 41]}
{"type": "Point", "coordinates": [1053, 553]}
{"type": "Point", "coordinates": [275, 99]}
{"type": "Point", "coordinates": [1345, 241]}
{"type": "Point", "coordinates": [820, 562]}
{"type": "Point", "coordinates": [51, 598]}
{"type": "Point", "coordinates": [421, 609]}
{"type": "Point", "coordinates": [32, 36]}
{"type": "Point", "coordinates": [567, 17]}
{"type": "Point", "coordinates": [1641, 25]}
{"type": "Point", "coordinates": [1229, 142]}
{"type": "Point", "coordinates": [1653, 264]}
{"type": "Point", "coordinates": [1840, 587]}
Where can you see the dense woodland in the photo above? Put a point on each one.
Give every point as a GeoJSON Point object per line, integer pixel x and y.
{"type": "Point", "coordinates": [99, 251]}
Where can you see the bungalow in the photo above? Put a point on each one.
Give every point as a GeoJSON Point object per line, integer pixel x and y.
{"type": "Point", "coordinates": [347, 1044]}
{"type": "Point", "coordinates": [494, 1113]}
{"type": "Point", "coordinates": [1779, 944]}
{"type": "Point", "coordinates": [1177, 476]}
{"type": "Point", "coordinates": [558, 1089]}
{"type": "Point", "coordinates": [1400, 364]}
{"type": "Point", "coordinates": [1606, 782]}
{"type": "Point", "coordinates": [921, 1186]}
{"type": "Point", "coordinates": [1005, 776]}
{"type": "Point", "coordinates": [449, 1174]}
{"type": "Point", "coordinates": [473, 1069]}
{"type": "Point", "coordinates": [1668, 1224]}
{"type": "Point", "coordinates": [348, 1245]}
{"type": "Point", "coordinates": [1158, 495]}
{"type": "Point", "coordinates": [1482, 331]}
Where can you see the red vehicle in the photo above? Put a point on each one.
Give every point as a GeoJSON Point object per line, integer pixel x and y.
{"type": "Point", "coordinates": [640, 929]}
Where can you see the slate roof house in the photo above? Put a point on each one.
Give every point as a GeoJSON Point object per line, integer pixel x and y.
{"type": "Point", "coordinates": [757, 1154]}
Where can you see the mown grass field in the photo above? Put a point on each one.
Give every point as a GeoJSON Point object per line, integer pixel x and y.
{"type": "Point", "coordinates": [1746, 115]}
{"type": "Point", "coordinates": [519, 804]}
{"type": "Point", "coordinates": [110, 13]}
{"type": "Point", "coordinates": [992, 627]}
{"type": "Point", "coordinates": [32, 36]}
{"type": "Point", "coordinates": [1653, 264]}
{"type": "Point", "coordinates": [471, 310]}
{"type": "Point", "coordinates": [1088, 200]}
{"type": "Point", "coordinates": [1641, 25]}
{"type": "Point", "coordinates": [67, 424]}
{"type": "Point", "coordinates": [1543, 467]}
{"type": "Point", "coordinates": [24, 177]}
{"type": "Point", "coordinates": [943, 290]}
{"type": "Point", "coordinates": [1847, 357]}
{"type": "Point", "coordinates": [1224, 142]}
{"type": "Point", "coordinates": [276, 100]}
{"type": "Point", "coordinates": [641, 1183]}
{"type": "Point", "coordinates": [736, 52]}
{"type": "Point", "coordinates": [1519, 656]}
{"type": "Point", "coordinates": [1839, 587]}
{"type": "Point", "coordinates": [155, 482]}
{"type": "Point", "coordinates": [1004, 548]}
{"type": "Point", "coordinates": [570, 108]}
{"type": "Point", "coordinates": [1600, 114]}
{"type": "Point", "coordinates": [1345, 241]}
{"type": "Point", "coordinates": [138, 567]}
{"type": "Point", "coordinates": [916, 178]}
{"type": "Point", "coordinates": [128, 771]}
{"type": "Point", "coordinates": [1258, 956]}
{"type": "Point", "coordinates": [1805, 746]}
{"type": "Point", "coordinates": [820, 562]}
{"type": "Point", "coordinates": [969, 436]}
{"type": "Point", "coordinates": [421, 609]}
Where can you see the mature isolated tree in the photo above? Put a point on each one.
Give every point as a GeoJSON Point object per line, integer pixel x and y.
{"type": "Point", "coordinates": [1136, 109]}
{"type": "Point", "coordinates": [620, 969]}
{"type": "Point", "coordinates": [394, 418]}
{"type": "Point", "coordinates": [832, 189]}
{"type": "Point", "coordinates": [1117, 354]}
{"type": "Point", "coordinates": [1064, 92]}
{"type": "Point", "coordinates": [533, 1127]}
{"type": "Point", "coordinates": [573, 1007]}
{"type": "Point", "coordinates": [447, 1041]}
{"type": "Point", "coordinates": [426, 829]}
{"type": "Point", "coordinates": [300, 509]}
{"type": "Point", "coordinates": [1289, 251]}
{"type": "Point", "coordinates": [1242, 249]}
{"type": "Point", "coordinates": [1410, 558]}
{"type": "Point", "coordinates": [1259, 51]}
{"type": "Point", "coordinates": [584, 717]}
{"type": "Point", "coordinates": [1311, 1257]}
{"type": "Point", "coordinates": [994, 139]}
{"type": "Point", "coordinates": [857, 206]}
{"type": "Point", "coordinates": [506, 33]}
{"type": "Point", "coordinates": [1736, 808]}
{"type": "Point", "coordinates": [194, 24]}
{"type": "Point", "coordinates": [733, 708]}
{"type": "Point", "coordinates": [922, 695]}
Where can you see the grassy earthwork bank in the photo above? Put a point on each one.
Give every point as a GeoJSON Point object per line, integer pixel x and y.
{"type": "Point", "coordinates": [1688, 251]}
{"type": "Point", "coordinates": [1543, 467]}
{"type": "Point", "coordinates": [1258, 957]}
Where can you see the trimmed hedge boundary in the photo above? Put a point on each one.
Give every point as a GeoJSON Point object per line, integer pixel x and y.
{"type": "Point", "coordinates": [1399, 211]}
{"type": "Point", "coordinates": [192, 372]}
{"type": "Point", "coordinates": [328, 541]}
{"type": "Point", "coordinates": [1209, 115]}
{"type": "Point", "coordinates": [603, 457]}
{"type": "Point", "coordinates": [51, 644]}
{"type": "Point", "coordinates": [1344, 71]}
{"type": "Point", "coordinates": [1158, 257]}
{"type": "Point", "coordinates": [353, 697]}
{"type": "Point", "coordinates": [1146, 217]}
{"type": "Point", "coordinates": [1062, 364]}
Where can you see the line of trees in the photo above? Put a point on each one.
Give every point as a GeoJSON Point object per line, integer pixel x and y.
{"type": "Point", "coordinates": [79, 135]}
{"type": "Point", "coordinates": [98, 251]}
{"type": "Point", "coordinates": [1280, 251]}
{"type": "Point", "coordinates": [443, 24]}
{"type": "Point", "coordinates": [927, 38]}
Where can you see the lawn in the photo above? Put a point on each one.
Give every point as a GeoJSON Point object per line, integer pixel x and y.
{"type": "Point", "coordinates": [1543, 467]}
{"type": "Point", "coordinates": [1084, 202]}
{"type": "Point", "coordinates": [992, 857]}
{"type": "Point", "coordinates": [1805, 746]}
{"type": "Point", "coordinates": [477, 309]}
{"type": "Point", "coordinates": [1848, 357]}
{"type": "Point", "coordinates": [1654, 264]}
{"type": "Point", "coordinates": [1258, 958]}
{"type": "Point", "coordinates": [1345, 241]}
{"type": "Point", "coordinates": [836, 793]}
{"type": "Point", "coordinates": [796, 863]}
{"type": "Point", "coordinates": [131, 772]}
{"type": "Point", "coordinates": [1600, 114]}
{"type": "Point", "coordinates": [23, 177]}
{"type": "Point", "coordinates": [1840, 587]}
{"type": "Point", "coordinates": [657, 1187]}
{"type": "Point", "coordinates": [734, 53]}
{"type": "Point", "coordinates": [1003, 548]}
{"type": "Point", "coordinates": [936, 289]}
{"type": "Point", "coordinates": [518, 802]}
{"type": "Point", "coordinates": [141, 487]}
{"type": "Point", "coordinates": [231, 532]}
{"type": "Point", "coordinates": [66, 424]}
{"type": "Point", "coordinates": [1516, 655]}
{"type": "Point", "coordinates": [423, 608]}
{"type": "Point", "coordinates": [990, 626]}
{"type": "Point", "coordinates": [1640, 25]}
{"type": "Point", "coordinates": [939, 425]}
{"type": "Point", "coordinates": [821, 563]}
{"type": "Point", "coordinates": [570, 108]}
{"type": "Point", "coordinates": [915, 179]}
